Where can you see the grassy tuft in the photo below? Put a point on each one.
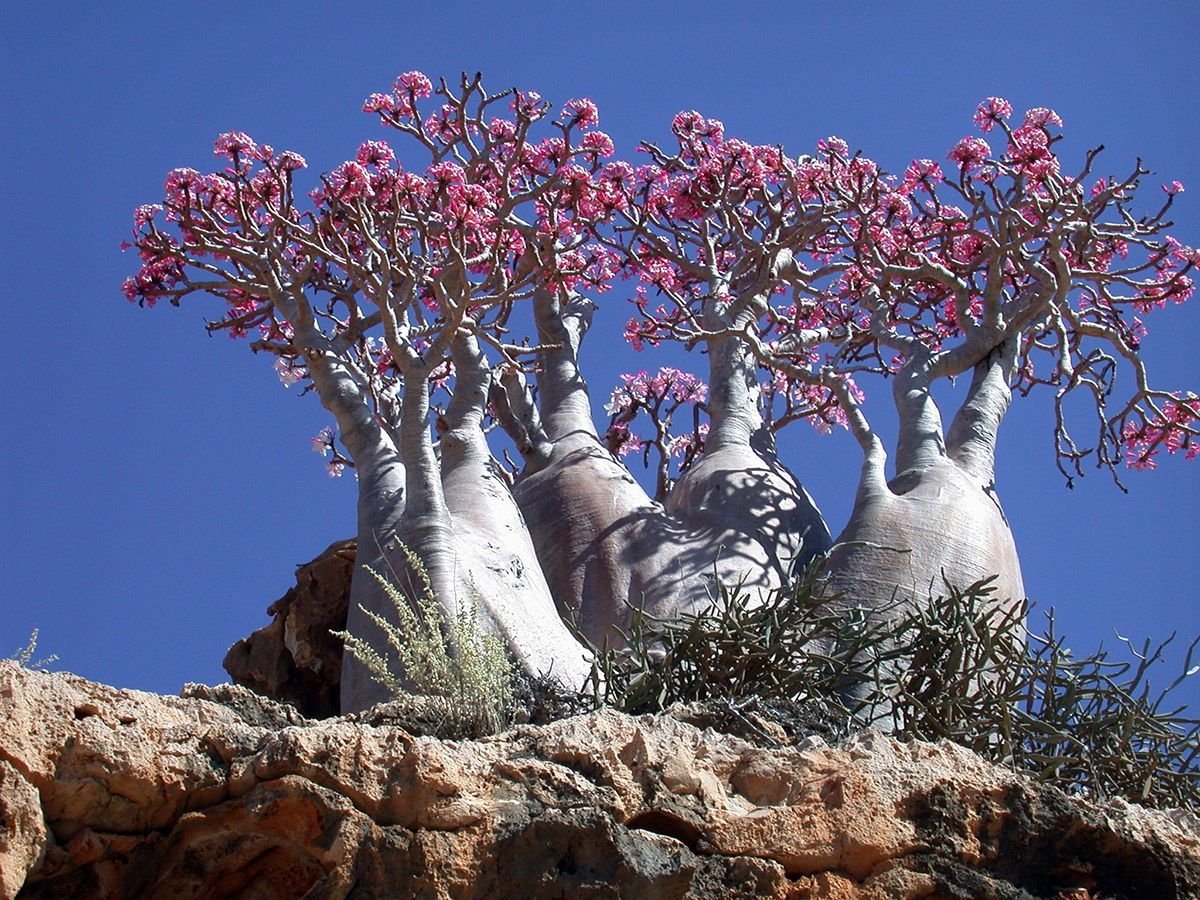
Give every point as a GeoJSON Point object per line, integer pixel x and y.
{"type": "Point", "coordinates": [463, 675]}
{"type": "Point", "coordinates": [953, 668]}
{"type": "Point", "coordinates": [24, 656]}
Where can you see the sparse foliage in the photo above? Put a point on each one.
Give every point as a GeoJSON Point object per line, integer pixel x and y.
{"type": "Point", "coordinates": [466, 673]}
{"type": "Point", "coordinates": [1089, 724]}
{"type": "Point", "coordinates": [25, 656]}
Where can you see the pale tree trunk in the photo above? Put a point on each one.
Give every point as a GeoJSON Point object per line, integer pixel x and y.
{"type": "Point", "coordinates": [939, 519]}
{"type": "Point", "coordinates": [461, 522]}
{"type": "Point", "coordinates": [381, 477]}
{"type": "Point", "coordinates": [498, 566]}
{"type": "Point", "coordinates": [754, 515]}
{"type": "Point", "coordinates": [603, 544]}
{"type": "Point", "coordinates": [423, 527]}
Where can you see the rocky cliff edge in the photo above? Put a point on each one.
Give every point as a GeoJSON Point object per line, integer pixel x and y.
{"type": "Point", "coordinates": [220, 793]}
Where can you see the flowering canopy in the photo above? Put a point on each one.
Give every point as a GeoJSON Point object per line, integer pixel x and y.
{"type": "Point", "coordinates": [831, 269]}
{"type": "Point", "coordinates": [387, 264]}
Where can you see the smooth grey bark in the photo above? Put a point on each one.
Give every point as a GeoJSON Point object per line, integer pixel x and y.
{"type": "Point", "coordinates": [754, 513]}
{"type": "Point", "coordinates": [381, 479]}
{"type": "Point", "coordinates": [497, 563]}
{"type": "Point", "coordinates": [605, 546]}
{"type": "Point", "coordinates": [940, 510]}
{"type": "Point", "coordinates": [455, 514]}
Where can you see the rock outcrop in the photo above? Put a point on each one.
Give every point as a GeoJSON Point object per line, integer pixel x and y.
{"type": "Point", "coordinates": [295, 658]}
{"type": "Point", "coordinates": [220, 793]}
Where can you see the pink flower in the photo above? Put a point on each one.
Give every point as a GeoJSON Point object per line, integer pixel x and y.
{"type": "Point", "coordinates": [633, 329]}
{"type": "Point", "coordinates": [379, 103]}
{"type": "Point", "coordinates": [618, 175]}
{"type": "Point", "coordinates": [686, 122]}
{"type": "Point", "coordinates": [444, 124]}
{"type": "Point", "coordinates": [581, 112]}
{"type": "Point", "coordinates": [266, 188]}
{"type": "Point", "coordinates": [502, 129]}
{"type": "Point", "coordinates": [924, 172]}
{"type": "Point", "coordinates": [529, 105]}
{"type": "Point", "coordinates": [232, 143]}
{"type": "Point", "coordinates": [597, 143]}
{"type": "Point", "coordinates": [691, 124]}
{"type": "Point", "coordinates": [129, 287]}
{"type": "Point", "coordinates": [291, 372]}
{"type": "Point", "coordinates": [446, 174]}
{"type": "Point", "coordinates": [1030, 152]}
{"type": "Point", "coordinates": [323, 442]}
{"type": "Point", "coordinates": [375, 153]}
{"type": "Point", "coordinates": [181, 179]}
{"type": "Point", "coordinates": [625, 441]}
{"type": "Point", "coordinates": [414, 84]}
{"type": "Point", "coordinates": [549, 150]}
{"type": "Point", "coordinates": [350, 180]}
{"type": "Point", "coordinates": [1042, 117]}
{"type": "Point", "coordinates": [991, 111]}
{"type": "Point", "coordinates": [970, 153]}
{"type": "Point", "coordinates": [834, 145]}
{"type": "Point", "coordinates": [145, 214]}
{"type": "Point", "coordinates": [894, 205]}
{"type": "Point", "coordinates": [1173, 188]}
{"type": "Point", "coordinates": [290, 162]}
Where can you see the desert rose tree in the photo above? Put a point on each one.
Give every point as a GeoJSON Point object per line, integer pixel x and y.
{"type": "Point", "coordinates": [393, 284]}
{"type": "Point", "coordinates": [1008, 272]}
{"type": "Point", "coordinates": [737, 514]}
{"type": "Point", "coordinates": [398, 294]}
{"type": "Point", "coordinates": [396, 286]}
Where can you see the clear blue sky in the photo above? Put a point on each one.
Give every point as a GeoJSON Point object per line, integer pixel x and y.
{"type": "Point", "coordinates": [158, 487]}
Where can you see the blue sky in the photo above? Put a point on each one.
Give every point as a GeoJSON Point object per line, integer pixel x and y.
{"type": "Point", "coordinates": [159, 488]}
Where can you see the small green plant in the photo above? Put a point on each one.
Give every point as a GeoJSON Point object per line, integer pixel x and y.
{"type": "Point", "coordinates": [24, 656]}
{"type": "Point", "coordinates": [958, 667]}
{"type": "Point", "coordinates": [466, 675]}
{"type": "Point", "coordinates": [786, 646]}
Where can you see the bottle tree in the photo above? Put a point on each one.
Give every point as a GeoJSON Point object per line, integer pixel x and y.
{"type": "Point", "coordinates": [388, 292]}
{"type": "Point", "coordinates": [429, 294]}
{"type": "Point", "coordinates": [1002, 269]}
{"type": "Point", "coordinates": [737, 514]}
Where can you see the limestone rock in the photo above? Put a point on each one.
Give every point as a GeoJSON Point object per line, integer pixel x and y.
{"type": "Point", "coordinates": [114, 793]}
{"type": "Point", "coordinates": [295, 658]}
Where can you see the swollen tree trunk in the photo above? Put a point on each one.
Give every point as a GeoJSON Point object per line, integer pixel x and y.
{"type": "Point", "coordinates": [496, 555]}
{"type": "Point", "coordinates": [939, 520]}
{"type": "Point", "coordinates": [423, 527]}
{"type": "Point", "coordinates": [381, 477]}
{"type": "Point", "coordinates": [461, 522]}
{"type": "Point", "coordinates": [603, 544]}
{"type": "Point", "coordinates": [754, 515]}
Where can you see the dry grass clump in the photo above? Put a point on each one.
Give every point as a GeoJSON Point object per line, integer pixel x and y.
{"type": "Point", "coordinates": [952, 668]}
{"type": "Point", "coordinates": [463, 676]}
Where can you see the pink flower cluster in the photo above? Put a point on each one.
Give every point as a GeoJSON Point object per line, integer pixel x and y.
{"type": "Point", "coordinates": [971, 153]}
{"type": "Point", "coordinates": [992, 111]}
{"type": "Point", "coordinates": [711, 224]}
{"type": "Point", "coordinates": [1177, 429]}
{"type": "Point", "coordinates": [401, 102]}
{"type": "Point", "coordinates": [658, 396]}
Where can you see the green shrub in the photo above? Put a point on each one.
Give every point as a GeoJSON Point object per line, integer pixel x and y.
{"type": "Point", "coordinates": [953, 668]}
{"type": "Point", "coordinates": [463, 676]}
